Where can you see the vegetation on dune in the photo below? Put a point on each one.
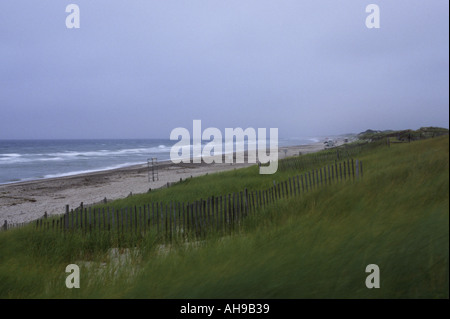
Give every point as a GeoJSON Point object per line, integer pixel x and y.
{"type": "Point", "coordinates": [403, 135]}
{"type": "Point", "coordinates": [314, 246]}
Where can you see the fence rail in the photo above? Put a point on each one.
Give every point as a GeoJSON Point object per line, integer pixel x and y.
{"type": "Point", "coordinates": [197, 218]}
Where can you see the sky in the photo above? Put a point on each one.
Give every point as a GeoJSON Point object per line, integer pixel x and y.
{"type": "Point", "coordinates": [141, 68]}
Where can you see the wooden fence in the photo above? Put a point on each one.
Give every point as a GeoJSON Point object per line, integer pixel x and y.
{"type": "Point", "coordinates": [197, 218]}
{"type": "Point", "coordinates": [7, 225]}
{"type": "Point", "coordinates": [343, 152]}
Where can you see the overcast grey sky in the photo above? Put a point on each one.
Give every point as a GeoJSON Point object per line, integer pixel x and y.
{"type": "Point", "coordinates": [140, 68]}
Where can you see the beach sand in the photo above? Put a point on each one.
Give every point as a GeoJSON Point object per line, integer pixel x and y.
{"type": "Point", "coordinates": [27, 201]}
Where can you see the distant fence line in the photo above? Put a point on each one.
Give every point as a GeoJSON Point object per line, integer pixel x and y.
{"type": "Point", "coordinates": [182, 220]}
{"type": "Point", "coordinates": [345, 151]}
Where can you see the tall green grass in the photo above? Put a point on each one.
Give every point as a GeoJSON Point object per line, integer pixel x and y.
{"type": "Point", "coordinates": [314, 246]}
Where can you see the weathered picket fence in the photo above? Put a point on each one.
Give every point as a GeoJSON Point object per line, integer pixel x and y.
{"type": "Point", "coordinates": [340, 153]}
{"type": "Point", "coordinates": [7, 225]}
{"type": "Point", "coordinates": [199, 217]}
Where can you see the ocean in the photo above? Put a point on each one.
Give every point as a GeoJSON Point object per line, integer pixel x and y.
{"type": "Point", "coordinates": [26, 160]}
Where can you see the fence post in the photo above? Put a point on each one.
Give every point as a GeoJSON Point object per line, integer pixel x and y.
{"type": "Point", "coordinates": [126, 220]}
{"type": "Point", "coordinates": [140, 219]}
{"type": "Point", "coordinates": [117, 220]}
{"type": "Point", "coordinates": [159, 218]}
{"type": "Point", "coordinates": [213, 212]}
{"type": "Point", "coordinates": [353, 170]}
{"type": "Point", "coordinates": [171, 220]}
{"type": "Point", "coordinates": [287, 189]}
{"type": "Point", "coordinates": [241, 204]}
{"type": "Point", "coordinates": [94, 219]}
{"type": "Point", "coordinates": [166, 220]}
{"type": "Point", "coordinates": [222, 209]}
{"type": "Point", "coordinates": [121, 220]}
{"type": "Point", "coordinates": [234, 208]}
{"type": "Point", "coordinates": [345, 170]}
{"type": "Point", "coordinates": [361, 166]}
{"type": "Point", "coordinates": [147, 217]}
{"type": "Point", "coordinates": [109, 218]}
{"type": "Point", "coordinates": [135, 219]}
{"type": "Point", "coordinates": [223, 213]}
{"type": "Point", "coordinates": [310, 184]}
{"type": "Point", "coordinates": [275, 187]}
{"type": "Point", "coordinates": [80, 217]}
{"type": "Point", "coordinates": [357, 168]}
{"type": "Point", "coordinates": [261, 199]}
{"type": "Point", "coordinates": [246, 202]}
{"type": "Point", "coordinates": [348, 168]}
{"type": "Point", "coordinates": [98, 218]}
{"type": "Point", "coordinates": [189, 219]}
{"type": "Point", "coordinates": [313, 179]}
{"type": "Point", "coordinates": [132, 219]}
{"type": "Point", "coordinates": [184, 219]}
{"type": "Point", "coordinates": [336, 171]}
{"type": "Point", "coordinates": [198, 214]}
{"type": "Point", "coordinates": [194, 210]}
{"type": "Point", "coordinates": [153, 215]}
{"type": "Point", "coordinates": [208, 209]}
{"type": "Point", "coordinates": [290, 187]}
{"type": "Point", "coordinates": [264, 198]}
{"type": "Point", "coordinates": [176, 211]}
{"type": "Point", "coordinates": [252, 203]}
{"type": "Point", "coordinates": [282, 190]}
{"type": "Point", "coordinates": [204, 216]}
{"type": "Point", "coordinates": [66, 219]}
{"type": "Point", "coordinates": [216, 212]}
{"type": "Point", "coordinates": [227, 212]}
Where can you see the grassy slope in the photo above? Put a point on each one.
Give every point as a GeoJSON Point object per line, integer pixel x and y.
{"type": "Point", "coordinates": [316, 246]}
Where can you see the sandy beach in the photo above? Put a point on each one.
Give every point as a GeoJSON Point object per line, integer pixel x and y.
{"type": "Point", "coordinates": [27, 201]}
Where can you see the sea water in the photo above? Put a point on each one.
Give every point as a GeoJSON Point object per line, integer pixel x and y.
{"type": "Point", "coordinates": [25, 160]}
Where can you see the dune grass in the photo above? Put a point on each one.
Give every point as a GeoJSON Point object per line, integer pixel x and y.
{"type": "Point", "coordinates": [314, 246]}
{"type": "Point", "coordinates": [223, 183]}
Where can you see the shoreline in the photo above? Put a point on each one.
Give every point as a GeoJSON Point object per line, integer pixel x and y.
{"type": "Point", "coordinates": [26, 201]}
